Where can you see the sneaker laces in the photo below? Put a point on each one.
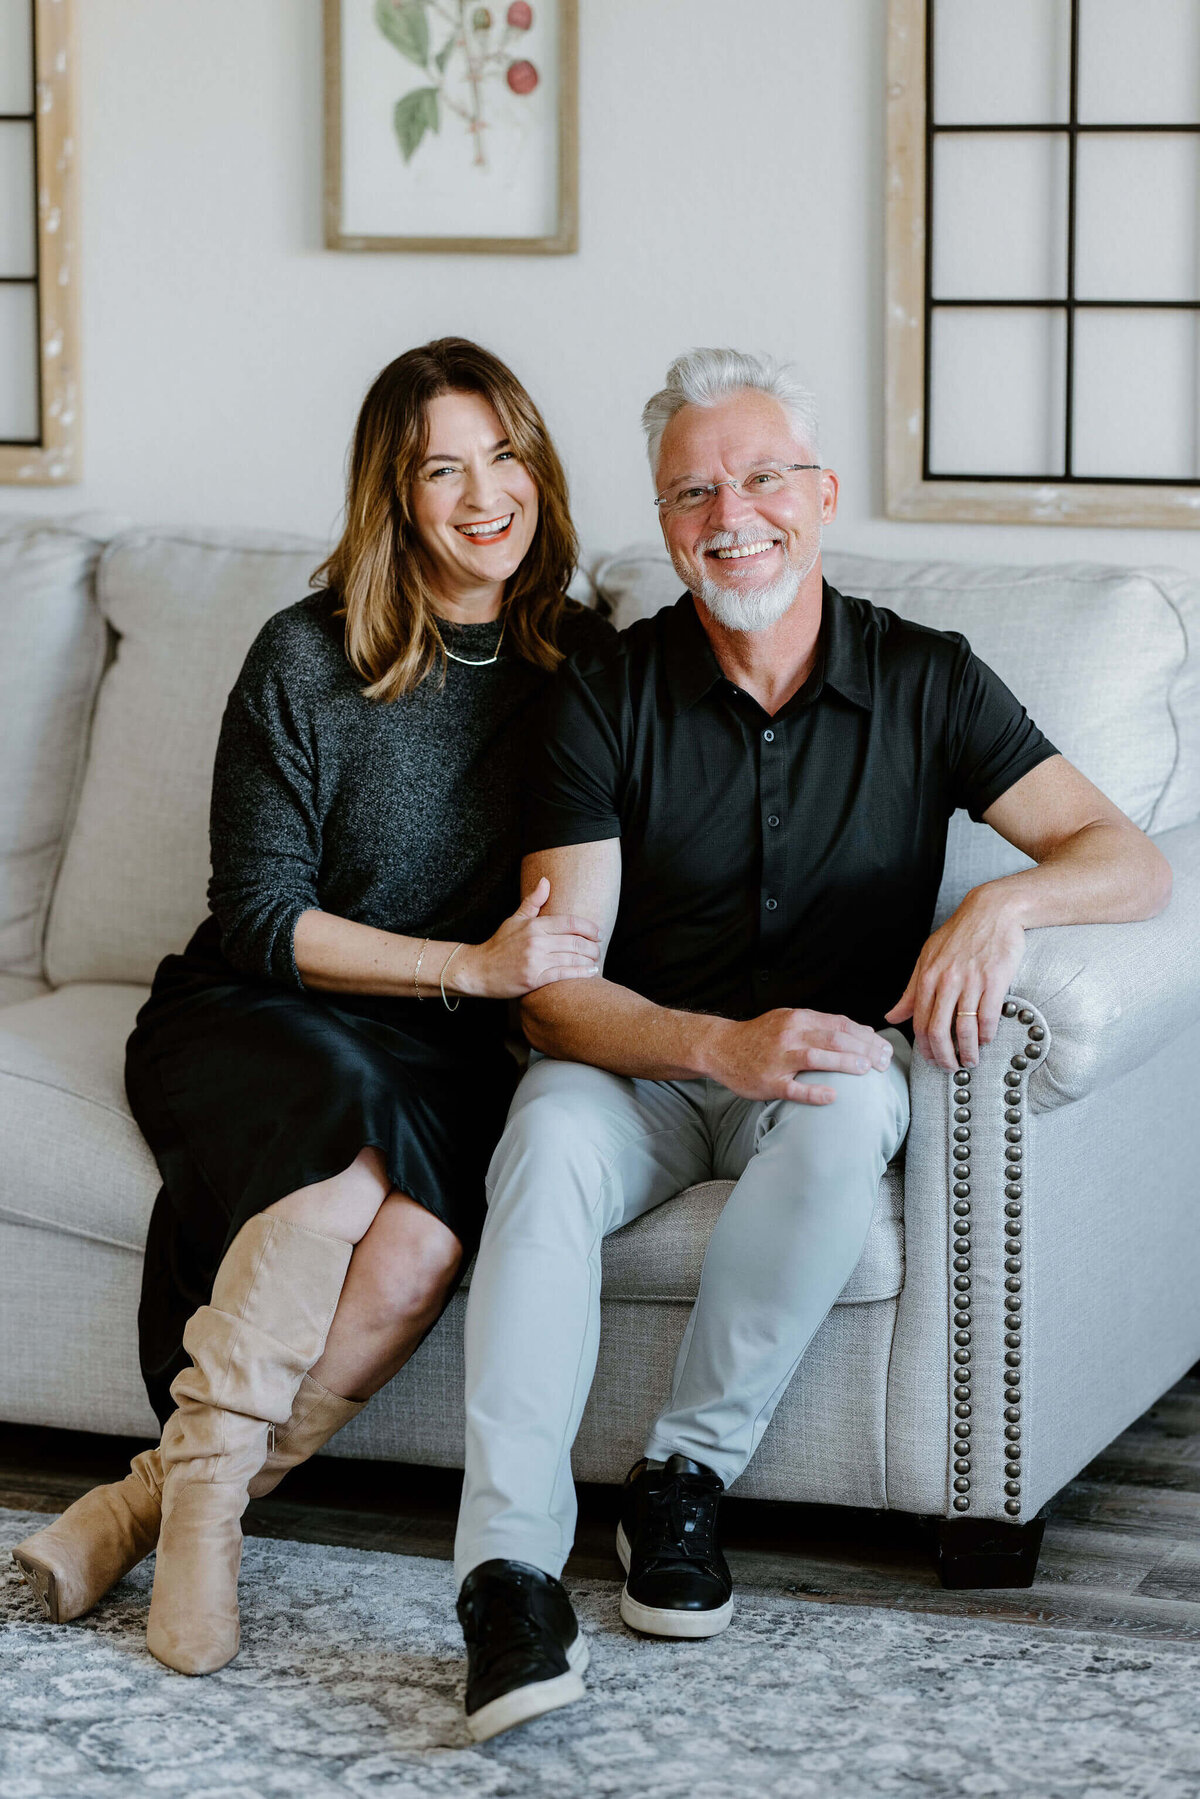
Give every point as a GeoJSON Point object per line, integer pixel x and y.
{"type": "Point", "coordinates": [681, 1515]}
{"type": "Point", "coordinates": [503, 1623]}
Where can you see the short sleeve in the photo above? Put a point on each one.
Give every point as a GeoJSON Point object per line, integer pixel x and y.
{"type": "Point", "coordinates": [574, 768]}
{"type": "Point", "coordinates": [993, 741]}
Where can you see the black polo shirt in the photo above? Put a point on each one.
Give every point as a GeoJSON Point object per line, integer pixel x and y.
{"type": "Point", "coordinates": [785, 861]}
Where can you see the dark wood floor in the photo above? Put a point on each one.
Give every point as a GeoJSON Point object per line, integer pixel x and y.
{"type": "Point", "coordinates": [1121, 1552]}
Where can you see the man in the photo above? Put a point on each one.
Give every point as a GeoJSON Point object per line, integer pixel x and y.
{"type": "Point", "coordinates": [749, 793]}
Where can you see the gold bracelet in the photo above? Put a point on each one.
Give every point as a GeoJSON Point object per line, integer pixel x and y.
{"type": "Point", "coordinates": [442, 978]}
{"type": "Point", "coordinates": [417, 969]}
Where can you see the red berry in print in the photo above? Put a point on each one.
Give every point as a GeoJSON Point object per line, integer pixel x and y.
{"type": "Point", "coordinates": [522, 77]}
{"type": "Point", "coordinates": [520, 16]}
{"type": "Point", "coordinates": [481, 19]}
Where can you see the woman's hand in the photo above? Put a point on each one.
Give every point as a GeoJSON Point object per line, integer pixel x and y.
{"type": "Point", "coordinates": [527, 951]}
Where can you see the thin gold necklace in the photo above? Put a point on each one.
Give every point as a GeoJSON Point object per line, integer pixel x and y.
{"type": "Point", "coordinates": [473, 662]}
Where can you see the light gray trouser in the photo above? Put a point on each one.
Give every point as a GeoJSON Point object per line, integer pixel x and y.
{"type": "Point", "coordinates": [585, 1151]}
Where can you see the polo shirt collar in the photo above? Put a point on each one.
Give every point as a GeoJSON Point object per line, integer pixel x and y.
{"type": "Point", "coordinates": [693, 670]}
{"type": "Point", "coordinates": [846, 665]}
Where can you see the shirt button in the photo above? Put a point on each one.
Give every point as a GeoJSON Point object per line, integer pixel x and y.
{"type": "Point", "coordinates": [764, 974]}
{"type": "Point", "coordinates": [771, 905]}
{"type": "Point", "coordinates": [772, 820]}
{"type": "Point", "coordinates": [768, 736]}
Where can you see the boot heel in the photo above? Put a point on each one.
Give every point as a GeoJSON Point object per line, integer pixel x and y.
{"type": "Point", "coordinates": [43, 1582]}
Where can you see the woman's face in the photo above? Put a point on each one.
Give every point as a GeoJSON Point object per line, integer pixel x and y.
{"type": "Point", "coordinates": [474, 504]}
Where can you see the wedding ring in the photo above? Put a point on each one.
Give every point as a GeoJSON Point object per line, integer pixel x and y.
{"type": "Point", "coordinates": [966, 1015]}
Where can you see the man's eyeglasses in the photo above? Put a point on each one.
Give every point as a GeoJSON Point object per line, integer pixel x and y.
{"type": "Point", "coordinates": [760, 483]}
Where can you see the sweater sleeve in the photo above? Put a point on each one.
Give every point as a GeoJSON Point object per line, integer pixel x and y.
{"type": "Point", "coordinates": [264, 826]}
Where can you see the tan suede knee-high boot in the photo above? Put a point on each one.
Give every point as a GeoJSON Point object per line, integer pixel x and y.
{"type": "Point", "coordinates": [73, 1562]}
{"type": "Point", "coordinates": [316, 1416]}
{"type": "Point", "coordinates": [272, 1303]}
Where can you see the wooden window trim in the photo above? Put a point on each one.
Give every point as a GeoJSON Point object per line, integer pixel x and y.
{"type": "Point", "coordinates": [55, 458]}
{"type": "Point", "coordinates": [907, 494]}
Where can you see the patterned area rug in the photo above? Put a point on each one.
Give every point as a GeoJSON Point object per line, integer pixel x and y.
{"type": "Point", "coordinates": [349, 1682]}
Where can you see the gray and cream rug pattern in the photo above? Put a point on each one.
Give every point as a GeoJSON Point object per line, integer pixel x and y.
{"type": "Point", "coordinates": [350, 1675]}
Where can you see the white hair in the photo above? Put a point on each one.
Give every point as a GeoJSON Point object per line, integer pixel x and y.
{"type": "Point", "coordinates": [706, 377]}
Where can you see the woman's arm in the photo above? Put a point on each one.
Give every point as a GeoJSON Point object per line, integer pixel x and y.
{"type": "Point", "coordinates": [267, 839]}
{"type": "Point", "coordinates": [335, 955]}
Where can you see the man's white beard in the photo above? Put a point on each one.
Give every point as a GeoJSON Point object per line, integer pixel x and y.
{"type": "Point", "coordinates": [754, 608]}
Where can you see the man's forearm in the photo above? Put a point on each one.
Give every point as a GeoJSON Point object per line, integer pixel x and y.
{"type": "Point", "coordinates": [1104, 874]}
{"type": "Point", "coordinates": [614, 1028]}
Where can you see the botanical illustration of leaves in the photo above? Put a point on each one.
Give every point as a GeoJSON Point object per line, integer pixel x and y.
{"type": "Point", "coordinates": [415, 114]}
{"type": "Point", "coordinates": [404, 24]}
{"type": "Point", "coordinates": [443, 55]}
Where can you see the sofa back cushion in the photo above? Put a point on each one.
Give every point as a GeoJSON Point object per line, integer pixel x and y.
{"type": "Point", "coordinates": [52, 646]}
{"type": "Point", "coordinates": [184, 607]}
{"type": "Point", "coordinates": [1104, 659]}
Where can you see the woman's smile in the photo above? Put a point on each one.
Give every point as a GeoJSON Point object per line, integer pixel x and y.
{"type": "Point", "coordinates": [493, 530]}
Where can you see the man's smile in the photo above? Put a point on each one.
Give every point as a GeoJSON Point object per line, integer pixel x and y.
{"type": "Point", "coordinates": [745, 549]}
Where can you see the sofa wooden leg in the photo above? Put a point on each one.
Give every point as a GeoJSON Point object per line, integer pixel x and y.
{"type": "Point", "coordinates": [978, 1552]}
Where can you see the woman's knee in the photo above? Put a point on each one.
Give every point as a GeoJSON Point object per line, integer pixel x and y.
{"type": "Point", "coordinates": [409, 1262]}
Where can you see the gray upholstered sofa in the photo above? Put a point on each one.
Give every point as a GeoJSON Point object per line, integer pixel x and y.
{"type": "Point", "coordinates": [1031, 1282]}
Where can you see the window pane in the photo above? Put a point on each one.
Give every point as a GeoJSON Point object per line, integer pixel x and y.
{"type": "Point", "coordinates": [18, 253]}
{"type": "Point", "coordinates": [1138, 218]}
{"type": "Point", "coordinates": [996, 392]}
{"type": "Point", "coordinates": [1136, 394]}
{"type": "Point", "coordinates": [1139, 62]}
{"type": "Point", "coordinates": [16, 55]}
{"type": "Point", "coordinates": [18, 363]}
{"type": "Point", "coordinates": [999, 217]}
{"type": "Point", "coordinates": [1001, 61]}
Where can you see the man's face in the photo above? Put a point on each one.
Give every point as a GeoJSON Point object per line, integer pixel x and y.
{"type": "Point", "coordinates": [744, 554]}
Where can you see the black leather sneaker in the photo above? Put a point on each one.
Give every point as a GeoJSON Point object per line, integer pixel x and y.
{"type": "Point", "coordinates": [525, 1654]}
{"type": "Point", "coordinates": [676, 1581]}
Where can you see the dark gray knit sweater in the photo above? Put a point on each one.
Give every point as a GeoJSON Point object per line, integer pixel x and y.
{"type": "Point", "coordinates": [402, 815]}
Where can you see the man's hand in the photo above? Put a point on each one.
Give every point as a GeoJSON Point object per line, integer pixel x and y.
{"type": "Point", "coordinates": [766, 1057]}
{"type": "Point", "coordinates": [962, 975]}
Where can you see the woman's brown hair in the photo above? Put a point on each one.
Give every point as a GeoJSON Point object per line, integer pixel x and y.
{"type": "Point", "coordinates": [377, 571]}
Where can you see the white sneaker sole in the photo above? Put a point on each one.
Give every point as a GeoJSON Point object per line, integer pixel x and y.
{"type": "Point", "coordinates": [524, 1703]}
{"type": "Point", "coordinates": [656, 1621]}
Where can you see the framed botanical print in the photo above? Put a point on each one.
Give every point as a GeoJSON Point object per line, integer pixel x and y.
{"type": "Point", "coordinates": [451, 125]}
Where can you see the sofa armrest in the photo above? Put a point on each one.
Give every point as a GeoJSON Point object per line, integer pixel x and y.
{"type": "Point", "coordinates": [1112, 995]}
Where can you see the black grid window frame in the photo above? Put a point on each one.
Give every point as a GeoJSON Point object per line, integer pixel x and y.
{"type": "Point", "coordinates": [1069, 303]}
{"type": "Point", "coordinates": [34, 280]}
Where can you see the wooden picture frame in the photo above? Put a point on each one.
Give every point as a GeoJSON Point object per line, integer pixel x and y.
{"type": "Point", "coordinates": [53, 457]}
{"type": "Point", "coordinates": [417, 117]}
{"type": "Point", "coordinates": [909, 492]}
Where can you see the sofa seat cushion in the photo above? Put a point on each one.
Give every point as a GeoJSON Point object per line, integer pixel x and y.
{"type": "Point", "coordinates": [14, 988]}
{"type": "Point", "coordinates": [73, 1160]}
{"type": "Point", "coordinates": [71, 1157]}
{"type": "Point", "coordinates": [658, 1257]}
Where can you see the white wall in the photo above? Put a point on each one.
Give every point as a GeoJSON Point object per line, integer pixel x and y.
{"type": "Point", "coordinates": [731, 191]}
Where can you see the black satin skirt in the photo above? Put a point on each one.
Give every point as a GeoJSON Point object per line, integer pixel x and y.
{"type": "Point", "coordinates": [247, 1091]}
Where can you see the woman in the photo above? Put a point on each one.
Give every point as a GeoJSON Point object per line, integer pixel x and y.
{"type": "Point", "coordinates": [321, 1101]}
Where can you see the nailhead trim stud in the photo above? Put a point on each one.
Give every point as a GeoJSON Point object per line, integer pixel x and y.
{"type": "Point", "coordinates": [1012, 1098]}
